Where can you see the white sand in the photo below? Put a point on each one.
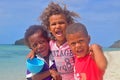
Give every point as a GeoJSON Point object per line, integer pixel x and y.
{"type": "Point", "coordinates": [113, 69]}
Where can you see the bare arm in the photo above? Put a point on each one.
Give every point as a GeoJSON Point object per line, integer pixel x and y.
{"type": "Point", "coordinates": [43, 75]}
{"type": "Point", "coordinates": [98, 56]}
{"type": "Point", "coordinates": [55, 74]}
{"type": "Point", "coordinates": [31, 54]}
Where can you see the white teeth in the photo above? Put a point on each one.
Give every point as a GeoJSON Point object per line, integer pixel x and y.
{"type": "Point", "coordinates": [38, 50]}
{"type": "Point", "coordinates": [59, 32]}
{"type": "Point", "coordinates": [79, 50]}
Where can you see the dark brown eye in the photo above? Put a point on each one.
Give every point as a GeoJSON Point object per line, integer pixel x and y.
{"type": "Point", "coordinates": [81, 41]}
{"type": "Point", "coordinates": [41, 42]}
{"type": "Point", "coordinates": [53, 24]}
{"type": "Point", "coordinates": [73, 43]}
{"type": "Point", "coordinates": [34, 45]}
{"type": "Point", "coordinates": [61, 22]}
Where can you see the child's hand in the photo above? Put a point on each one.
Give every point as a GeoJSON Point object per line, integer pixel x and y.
{"type": "Point", "coordinates": [97, 53]}
{"type": "Point", "coordinates": [91, 53]}
{"type": "Point", "coordinates": [55, 74]}
{"type": "Point", "coordinates": [93, 48]}
{"type": "Point", "coordinates": [31, 54]}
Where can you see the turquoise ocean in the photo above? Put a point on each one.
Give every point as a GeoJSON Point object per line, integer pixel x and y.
{"type": "Point", "coordinates": [13, 61]}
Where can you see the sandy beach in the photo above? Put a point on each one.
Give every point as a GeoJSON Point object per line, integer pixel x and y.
{"type": "Point", "coordinates": [113, 69]}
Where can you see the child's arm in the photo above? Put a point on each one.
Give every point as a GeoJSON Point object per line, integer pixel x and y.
{"type": "Point", "coordinates": [98, 56]}
{"type": "Point", "coordinates": [55, 74]}
{"type": "Point", "coordinates": [31, 54]}
{"type": "Point", "coordinates": [43, 75]}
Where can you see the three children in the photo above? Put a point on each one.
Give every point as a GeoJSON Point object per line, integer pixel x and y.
{"type": "Point", "coordinates": [90, 63]}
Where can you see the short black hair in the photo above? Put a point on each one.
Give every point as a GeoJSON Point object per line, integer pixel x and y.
{"type": "Point", "coordinates": [35, 29]}
{"type": "Point", "coordinates": [76, 27]}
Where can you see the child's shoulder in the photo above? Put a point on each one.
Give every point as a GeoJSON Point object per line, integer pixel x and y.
{"type": "Point", "coordinates": [52, 42]}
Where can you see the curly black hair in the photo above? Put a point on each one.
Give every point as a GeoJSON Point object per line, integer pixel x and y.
{"type": "Point", "coordinates": [35, 29]}
{"type": "Point", "coordinates": [53, 9]}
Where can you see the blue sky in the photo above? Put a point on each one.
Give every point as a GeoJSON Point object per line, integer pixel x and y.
{"type": "Point", "coordinates": [101, 17]}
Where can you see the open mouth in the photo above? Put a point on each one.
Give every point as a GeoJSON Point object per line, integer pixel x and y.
{"type": "Point", "coordinates": [59, 33]}
{"type": "Point", "coordinates": [39, 51]}
{"type": "Point", "coordinates": [79, 51]}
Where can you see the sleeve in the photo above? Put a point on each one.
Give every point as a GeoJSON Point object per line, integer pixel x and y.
{"type": "Point", "coordinates": [29, 75]}
{"type": "Point", "coordinates": [52, 62]}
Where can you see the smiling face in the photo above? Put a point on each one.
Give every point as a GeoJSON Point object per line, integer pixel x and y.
{"type": "Point", "coordinates": [79, 43]}
{"type": "Point", "coordinates": [39, 44]}
{"type": "Point", "coordinates": [58, 26]}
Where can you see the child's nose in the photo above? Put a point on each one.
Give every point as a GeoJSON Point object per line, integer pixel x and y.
{"type": "Point", "coordinates": [39, 45]}
{"type": "Point", "coordinates": [57, 25]}
{"type": "Point", "coordinates": [78, 44]}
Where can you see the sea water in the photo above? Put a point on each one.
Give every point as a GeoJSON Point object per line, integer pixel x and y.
{"type": "Point", "coordinates": [13, 61]}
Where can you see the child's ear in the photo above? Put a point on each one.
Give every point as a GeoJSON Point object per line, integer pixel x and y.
{"type": "Point", "coordinates": [89, 38]}
{"type": "Point", "coordinates": [49, 29]}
